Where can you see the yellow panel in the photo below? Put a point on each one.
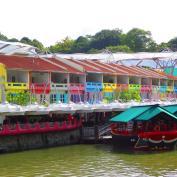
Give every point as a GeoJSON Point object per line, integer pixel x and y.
{"type": "Point", "coordinates": [109, 87]}
{"type": "Point", "coordinates": [3, 73]}
{"type": "Point", "coordinates": [16, 86]}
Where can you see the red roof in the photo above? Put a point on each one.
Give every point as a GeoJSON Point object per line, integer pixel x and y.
{"type": "Point", "coordinates": [150, 73]}
{"type": "Point", "coordinates": [69, 68]}
{"type": "Point", "coordinates": [129, 70]}
{"type": "Point", "coordinates": [87, 67]}
{"type": "Point", "coordinates": [101, 66]}
{"type": "Point", "coordinates": [29, 63]}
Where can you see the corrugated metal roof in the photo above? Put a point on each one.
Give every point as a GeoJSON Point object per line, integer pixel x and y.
{"type": "Point", "coordinates": [12, 48]}
{"type": "Point", "coordinates": [121, 56]}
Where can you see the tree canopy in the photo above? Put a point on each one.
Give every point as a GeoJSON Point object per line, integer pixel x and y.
{"type": "Point", "coordinates": [135, 40]}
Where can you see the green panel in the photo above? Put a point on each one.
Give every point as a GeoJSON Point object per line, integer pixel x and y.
{"type": "Point", "coordinates": [169, 71]}
{"type": "Point", "coordinates": [130, 114]}
{"type": "Point", "coordinates": [154, 111]}
{"type": "Point", "coordinates": [171, 108]}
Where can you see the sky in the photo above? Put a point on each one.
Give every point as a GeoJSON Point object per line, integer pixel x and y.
{"type": "Point", "coordinates": [50, 21]}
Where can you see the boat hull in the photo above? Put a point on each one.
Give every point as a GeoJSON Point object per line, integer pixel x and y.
{"type": "Point", "coordinates": [122, 141]}
{"type": "Point", "coordinates": [146, 141]}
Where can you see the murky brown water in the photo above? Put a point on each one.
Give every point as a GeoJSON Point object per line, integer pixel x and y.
{"type": "Point", "coordinates": [87, 160]}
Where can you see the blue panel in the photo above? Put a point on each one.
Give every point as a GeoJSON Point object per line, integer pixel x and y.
{"type": "Point", "coordinates": [175, 89]}
{"type": "Point", "coordinates": [93, 86]}
{"type": "Point", "coordinates": [163, 89]}
{"type": "Point", "coordinates": [63, 97]}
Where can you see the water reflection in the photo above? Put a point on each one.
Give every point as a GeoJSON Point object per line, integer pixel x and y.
{"type": "Point", "coordinates": [87, 160]}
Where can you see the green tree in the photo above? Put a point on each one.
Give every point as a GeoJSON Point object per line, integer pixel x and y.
{"type": "Point", "coordinates": [106, 38]}
{"type": "Point", "coordinates": [81, 44]}
{"type": "Point", "coordinates": [37, 44]}
{"type": "Point", "coordinates": [3, 37]}
{"type": "Point", "coordinates": [162, 47]}
{"type": "Point", "coordinates": [65, 46]}
{"type": "Point", "coordinates": [119, 48]}
{"type": "Point", "coordinates": [33, 42]}
{"type": "Point", "coordinates": [138, 40]}
{"type": "Point", "coordinates": [13, 40]}
{"type": "Point", "coordinates": [173, 44]}
{"type": "Point", "coordinates": [26, 40]}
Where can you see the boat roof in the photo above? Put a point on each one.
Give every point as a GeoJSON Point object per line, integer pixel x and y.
{"type": "Point", "coordinates": [141, 113]}
{"type": "Point", "coordinates": [154, 111]}
{"type": "Point", "coordinates": [130, 114]}
{"type": "Point", "coordinates": [171, 108]}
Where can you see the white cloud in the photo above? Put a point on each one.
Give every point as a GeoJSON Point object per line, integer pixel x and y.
{"type": "Point", "coordinates": [52, 20]}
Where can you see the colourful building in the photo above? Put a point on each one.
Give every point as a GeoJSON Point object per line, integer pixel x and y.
{"type": "Point", "coordinates": [50, 80]}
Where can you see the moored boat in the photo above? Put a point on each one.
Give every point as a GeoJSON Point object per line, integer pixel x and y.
{"type": "Point", "coordinates": [145, 127]}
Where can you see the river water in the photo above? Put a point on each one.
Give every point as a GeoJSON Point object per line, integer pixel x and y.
{"type": "Point", "coordinates": [87, 160]}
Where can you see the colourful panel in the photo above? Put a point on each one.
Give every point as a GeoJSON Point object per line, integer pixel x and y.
{"type": "Point", "coordinates": [93, 86]}
{"type": "Point", "coordinates": [16, 86]}
{"type": "Point", "coordinates": [175, 89]}
{"type": "Point", "coordinates": [58, 86]}
{"type": "Point", "coordinates": [146, 88]}
{"type": "Point", "coordinates": [163, 89]}
{"type": "Point", "coordinates": [170, 88]}
{"type": "Point", "coordinates": [76, 87]}
{"type": "Point", "coordinates": [135, 87]}
{"type": "Point", "coordinates": [109, 87]}
{"type": "Point", "coordinates": [40, 88]}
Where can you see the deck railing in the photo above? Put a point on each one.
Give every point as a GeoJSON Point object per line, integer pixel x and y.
{"type": "Point", "coordinates": [94, 86]}
{"type": "Point", "coordinates": [16, 86]}
{"type": "Point", "coordinates": [146, 88]}
{"type": "Point", "coordinates": [44, 127]}
{"type": "Point", "coordinates": [109, 87]}
{"type": "Point", "coordinates": [40, 88]}
{"type": "Point", "coordinates": [136, 87]}
{"type": "Point", "coordinates": [57, 86]}
{"type": "Point", "coordinates": [76, 86]}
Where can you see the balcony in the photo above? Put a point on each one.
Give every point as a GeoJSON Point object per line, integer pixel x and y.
{"type": "Point", "coordinates": [109, 87]}
{"type": "Point", "coordinates": [146, 88]}
{"type": "Point", "coordinates": [94, 86]}
{"type": "Point", "coordinates": [135, 87]}
{"type": "Point", "coordinates": [40, 88]}
{"type": "Point", "coordinates": [55, 86]}
{"type": "Point", "coordinates": [16, 86]}
{"type": "Point", "coordinates": [163, 88]}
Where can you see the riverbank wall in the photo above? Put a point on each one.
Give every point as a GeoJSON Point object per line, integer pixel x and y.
{"type": "Point", "coordinates": [42, 140]}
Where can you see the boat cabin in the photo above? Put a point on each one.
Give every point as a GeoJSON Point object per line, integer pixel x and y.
{"type": "Point", "coordinates": [152, 125]}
